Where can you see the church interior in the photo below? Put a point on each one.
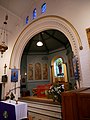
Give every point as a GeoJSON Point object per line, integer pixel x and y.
{"type": "Point", "coordinates": [44, 60]}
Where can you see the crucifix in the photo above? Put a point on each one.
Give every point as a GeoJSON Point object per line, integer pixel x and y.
{"type": "Point", "coordinates": [5, 66]}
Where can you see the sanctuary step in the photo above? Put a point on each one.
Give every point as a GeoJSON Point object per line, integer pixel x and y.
{"type": "Point", "coordinates": [42, 108]}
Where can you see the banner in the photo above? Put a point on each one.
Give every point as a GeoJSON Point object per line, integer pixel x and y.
{"type": "Point", "coordinates": [75, 68]}
{"type": "Point", "coordinates": [14, 75]}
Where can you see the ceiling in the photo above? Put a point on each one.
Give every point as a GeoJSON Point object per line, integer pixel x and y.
{"type": "Point", "coordinates": [53, 40]}
{"type": "Point", "coordinates": [17, 7]}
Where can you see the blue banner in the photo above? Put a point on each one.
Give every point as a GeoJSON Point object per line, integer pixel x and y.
{"type": "Point", "coordinates": [75, 67]}
{"type": "Point", "coordinates": [14, 75]}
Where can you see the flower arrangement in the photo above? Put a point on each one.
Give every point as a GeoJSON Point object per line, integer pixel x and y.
{"type": "Point", "coordinates": [11, 96]}
{"type": "Point", "coordinates": [55, 92]}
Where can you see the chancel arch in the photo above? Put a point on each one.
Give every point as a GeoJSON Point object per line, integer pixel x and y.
{"type": "Point", "coordinates": [41, 24]}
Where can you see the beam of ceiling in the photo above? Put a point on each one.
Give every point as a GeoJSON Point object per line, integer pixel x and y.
{"type": "Point", "coordinates": [44, 43]}
{"type": "Point", "coordinates": [52, 40]}
{"type": "Point", "coordinates": [60, 41]}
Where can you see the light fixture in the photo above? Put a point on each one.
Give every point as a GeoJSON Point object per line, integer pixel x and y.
{"type": "Point", "coordinates": [3, 37]}
{"type": "Point", "coordinates": [39, 43]}
{"type": "Point", "coordinates": [25, 73]}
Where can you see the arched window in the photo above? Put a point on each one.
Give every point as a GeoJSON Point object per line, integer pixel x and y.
{"type": "Point", "coordinates": [58, 67]}
{"type": "Point", "coordinates": [43, 8]}
{"type": "Point", "coordinates": [27, 19]}
{"type": "Point", "coordinates": [34, 13]}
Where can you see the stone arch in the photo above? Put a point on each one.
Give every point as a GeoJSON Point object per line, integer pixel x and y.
{"type": "Point", "coordinates": [41, 24]}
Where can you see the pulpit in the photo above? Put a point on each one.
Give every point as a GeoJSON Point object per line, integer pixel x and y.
{"type": "Point", "coordinates": [76, 104]}
{"type": "Point", "coordinates": [10, 110]}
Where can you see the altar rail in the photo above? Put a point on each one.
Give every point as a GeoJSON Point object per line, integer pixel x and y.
{"type": "Point", "coordinates": [41, 110]}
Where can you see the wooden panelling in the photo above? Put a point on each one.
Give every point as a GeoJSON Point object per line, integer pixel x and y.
{"type": "Point", "coordinates": [76, 104]}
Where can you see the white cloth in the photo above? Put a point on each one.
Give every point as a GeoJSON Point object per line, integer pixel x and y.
{"type": "Point", "coordinates": [20, 109]}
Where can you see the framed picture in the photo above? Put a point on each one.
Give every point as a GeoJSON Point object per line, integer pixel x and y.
{"type": "Point", "coordinates": [14, 75]}
{"type": "Point", "coordinates": [45, 71]}
{"type": "Point", "coordinates": [88, 35]}
{"type": "Point", "coordinates": [30, 72]}
{"type": "Point", "coordinates": [4, 78]}
{"type": "Point", "coordinates": [38, 75]}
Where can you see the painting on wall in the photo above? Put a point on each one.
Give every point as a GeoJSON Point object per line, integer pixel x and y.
{"type": "Point", "coordinates": [38, 71]}
{"type": "Point", "coordinates": [30, 72]}
{"type": "Point", "coordinates": [14, 75]}
{"type": "Point", "coordinates": [45, 71]}
{"type": "Point", "coordinates": [88, 35]}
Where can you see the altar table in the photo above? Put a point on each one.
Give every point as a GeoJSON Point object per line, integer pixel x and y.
{"type": "Point", "coordinates": [9, 110]}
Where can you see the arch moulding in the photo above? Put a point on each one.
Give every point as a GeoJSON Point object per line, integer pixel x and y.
{"type": "Point", "coordinates": [41, 24]}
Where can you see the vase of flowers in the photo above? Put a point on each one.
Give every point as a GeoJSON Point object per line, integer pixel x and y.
{"type": "Point", "coordinates": [11, 96]}
{"type": "Point", "coordinates": [55, 92]}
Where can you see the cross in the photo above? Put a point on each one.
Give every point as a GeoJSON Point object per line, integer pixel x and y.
{"type": "Point", "coordinates": [5, 66]}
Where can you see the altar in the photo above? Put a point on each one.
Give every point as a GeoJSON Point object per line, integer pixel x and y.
{"type": "Point", "coordinates": [9, 110]}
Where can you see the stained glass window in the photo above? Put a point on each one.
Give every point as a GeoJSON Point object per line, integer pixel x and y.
{"type": "Point", "coordinates": [34, 13]}
{"type": "Point", "coordinates": [27, 19]}
{"type": "Point", "coordinates": [58, 68]}
{"type": "Point", "coordinates": [43, 8]}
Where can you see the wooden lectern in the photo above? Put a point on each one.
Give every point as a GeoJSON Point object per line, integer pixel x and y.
{"type": "Point", "coordinates": [76, 104]}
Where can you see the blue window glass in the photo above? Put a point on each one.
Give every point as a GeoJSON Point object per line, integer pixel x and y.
{"type": "Point", "coordinates": [27, 19]}
{"type": "Point", "coordinates": [34, 13]}
{"type": "Point", "coordinates": [43, 8]}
